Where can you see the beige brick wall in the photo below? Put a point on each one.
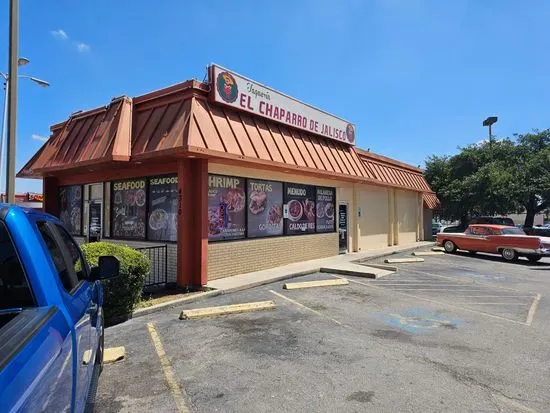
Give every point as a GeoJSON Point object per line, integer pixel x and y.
{"type": "Point", "coordinates": [239, 257]}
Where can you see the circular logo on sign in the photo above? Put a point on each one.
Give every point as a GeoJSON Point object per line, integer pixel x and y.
{"type": "Point", "coordinates": [350, 133]}
{"type": "Point", "coordinates": [227, 87]}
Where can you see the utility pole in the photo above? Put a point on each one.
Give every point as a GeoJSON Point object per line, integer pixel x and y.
{"type": "Point", "coordinates": [12, 100]}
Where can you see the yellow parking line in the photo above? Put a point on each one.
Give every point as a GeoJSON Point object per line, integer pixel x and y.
{"type": "Point", "coordinates": [533, 310]}
{"type": "Point", "coordinates": [305, 307]}
{"type": "Point", "coordinates": [168, 372]}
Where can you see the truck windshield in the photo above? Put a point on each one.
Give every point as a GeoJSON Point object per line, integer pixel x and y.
{"type": "Point", "coordinates": [14, 288]}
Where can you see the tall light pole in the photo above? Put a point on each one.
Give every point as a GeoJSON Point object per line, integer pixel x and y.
{"type": "Point", "coordinates": [12, 99]}
{"type": "Point", "coordinates": [22, 61]}
{"type": "Point", "coordinates": [489, 122]}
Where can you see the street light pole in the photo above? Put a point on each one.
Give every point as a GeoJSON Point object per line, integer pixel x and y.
{"type": "Point", "coordinates": [21, 62]}
{"type": "Point", "coordinates": [489, 122]}
{"type": "Point", "coordinates": [12, 100]}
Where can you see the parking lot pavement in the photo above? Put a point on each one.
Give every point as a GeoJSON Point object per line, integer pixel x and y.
{"type": "Point", "coordinates": [382, 345]}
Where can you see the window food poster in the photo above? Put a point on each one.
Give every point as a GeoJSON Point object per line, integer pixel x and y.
{"type": "Point", "coordinates": [265, 208]}
{"type": "Point", "coordinates": [163, 209]}
{"type": "Point", "coordinates": [226, 208]}
{"type": "Point", "coordinates": [129, 208]}
{"type": "Point", "coordinates": [70, 208]}
{"type": "Point", "coordinates": [326, 198]}
{"type": "Point", "coordinates": [300, 201]}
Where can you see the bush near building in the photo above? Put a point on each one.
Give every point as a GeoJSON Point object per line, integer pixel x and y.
{"type": "Point", "coordinates": [121, 294]}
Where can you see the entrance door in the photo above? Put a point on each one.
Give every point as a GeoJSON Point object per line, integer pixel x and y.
{"type": "Point", "coordinates": [343, 227]}
{"type": "Point", "coordinates": [94, 221]}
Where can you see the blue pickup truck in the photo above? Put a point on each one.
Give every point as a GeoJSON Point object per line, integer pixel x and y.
{"type": "Point", "coordinates": [51, 316]}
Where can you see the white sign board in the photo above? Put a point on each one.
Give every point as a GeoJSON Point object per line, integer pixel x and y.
{"type": "Point", "coordinates": [244, 94]}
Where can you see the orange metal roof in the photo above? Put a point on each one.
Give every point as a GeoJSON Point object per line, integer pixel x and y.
{"type": "Point", "coordinates": [226, 133]}
{"type": "Point", "coordinates": [180, 119]}
{"type": "Point", "coordinates": [96, 136]}
{"type": "Point", "coordinates": [431, 201]}
{"type": "Point", "coordinates": [393, 172]}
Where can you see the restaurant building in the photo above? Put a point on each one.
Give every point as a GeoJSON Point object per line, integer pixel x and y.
{"type": "Point", "coordinates": [233, 176]}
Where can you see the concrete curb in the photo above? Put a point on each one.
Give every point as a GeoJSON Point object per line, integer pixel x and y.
{"type": "Point", "coordinates": [195, 313]}
{"type": "Point", "coordinates": [184, 300]}
{"type": "Point", "coordinates": [386, 254]}
{"type": "Point", "coordinates": [386, 267]}
{"type": "Point", "coordinates": [363, 274]}
{"type": "Point", "coordinates": [270, 281]}
{"type": "Point", "coordinates": [317, 283]}
{"type": "Point", "coordinates": [427, 253]}
{"type": "Point", "coordinates": [114, 354]}
{"type": "Point", "coordinates": [404, 260]}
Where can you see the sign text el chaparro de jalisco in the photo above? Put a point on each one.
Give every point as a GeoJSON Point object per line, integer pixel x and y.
{"type": "Point", "coordinates": [241, 93]}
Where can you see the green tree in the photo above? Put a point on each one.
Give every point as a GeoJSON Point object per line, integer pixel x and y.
{"type": "Point", "coordinates": [494, 178]}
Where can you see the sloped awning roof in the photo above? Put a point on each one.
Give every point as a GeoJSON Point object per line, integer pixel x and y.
{"type": "Point", "coordinates": [394, 173]}
{"type": "Point", "coordinates": [431, 201]}
{"type": "Point", "coordinates": [86, 138]}
{"type": "Point", "coordinates": [181, 121]}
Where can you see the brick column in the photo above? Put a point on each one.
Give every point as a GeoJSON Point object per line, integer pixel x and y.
{"type": "Point", "coordinates": [192, 222]}
{"type": "Point", "coordinates": [50, 191]}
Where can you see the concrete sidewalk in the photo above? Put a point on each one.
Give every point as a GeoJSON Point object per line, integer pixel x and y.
{"type": "Point", "coordinates": [339, 264]}
{"type": "Point", "coordinates": [253, 279]}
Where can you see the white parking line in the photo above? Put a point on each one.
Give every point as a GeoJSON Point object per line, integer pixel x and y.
{"type": "Point", "coordinates": [533, 310]}
{"type": "Point", "coordinates": [474, 303]}
{"type": "Point", "coordinates": [437, 302]}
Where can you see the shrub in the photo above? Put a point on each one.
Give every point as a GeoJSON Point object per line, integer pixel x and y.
{"type": "Point", "coordinates": [121, 294]}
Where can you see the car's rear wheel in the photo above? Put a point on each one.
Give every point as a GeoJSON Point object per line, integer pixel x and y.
{"type": "Point", "coordinates": [534, 258]}
{"type": "Point", "coordinates": [509, 254]}
{"type": "Point", "coordinates": [449, 246]}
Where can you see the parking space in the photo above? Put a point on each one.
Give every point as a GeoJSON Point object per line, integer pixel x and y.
{"type": "Point", "coordinates": [428, 338]}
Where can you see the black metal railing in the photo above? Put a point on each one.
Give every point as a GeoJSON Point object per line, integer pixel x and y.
{"type": "Point", "coordinates": [159, 264]}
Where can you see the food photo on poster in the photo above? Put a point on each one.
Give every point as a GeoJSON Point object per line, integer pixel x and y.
{"type": "Point", "coordinates": [129, 208]}
{"type": "Point", "coordinates": [300, 201]}
{"type": "Point", "coordinates": [326, 199]}
{"type": "Point", "coordinates": [70, 208]}
{"type": "Point", "coordinates": [265, 208]}
{"type": "Point", "coordinates": [163, 208]}
{"type": "Point", "coordinates": [226, 208]}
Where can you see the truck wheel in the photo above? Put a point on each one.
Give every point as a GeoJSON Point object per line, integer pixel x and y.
{"type": "Point", "coordinates": [534, 258]}
{"type": "Point", "coordinates": [449, 246]}
{"type": "Point", "coordinates": [509, 254]}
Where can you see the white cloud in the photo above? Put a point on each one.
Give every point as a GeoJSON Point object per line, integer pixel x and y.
{"type": "Point", "coordinates": [39, 137]}
{"type": "Point", "coordinates": [82, 47]}
{"type": "Point", "coordinates": [59, 34]}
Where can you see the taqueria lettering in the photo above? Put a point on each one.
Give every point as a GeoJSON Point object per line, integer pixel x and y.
{"type": "Point", "coordinates": [223, 182]}
{"type": "Point", "coordinates": [123, 186]}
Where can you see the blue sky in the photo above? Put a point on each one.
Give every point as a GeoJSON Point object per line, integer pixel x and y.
{"type": "Point", "coordinates": [417, 77]}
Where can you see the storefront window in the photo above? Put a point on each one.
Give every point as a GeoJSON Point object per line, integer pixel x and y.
{"type": "Point", "coordinates": [226, 208]}
{"type": "Point", "coordinates": [300, 201]}
{"type": "Point", "coordinates": [326, 198]}
{"type": "Point", "coordinates": [265, 208]}
{"type": "Point", "coordinates": [70, 208]}
{"type": "Point", "coordinates": [128, 213]}
{"type": "Point", "coordinates": [163, 209]}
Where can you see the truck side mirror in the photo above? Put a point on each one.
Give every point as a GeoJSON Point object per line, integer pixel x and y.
{"type": "Point", "coordinates": [108, 267]}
